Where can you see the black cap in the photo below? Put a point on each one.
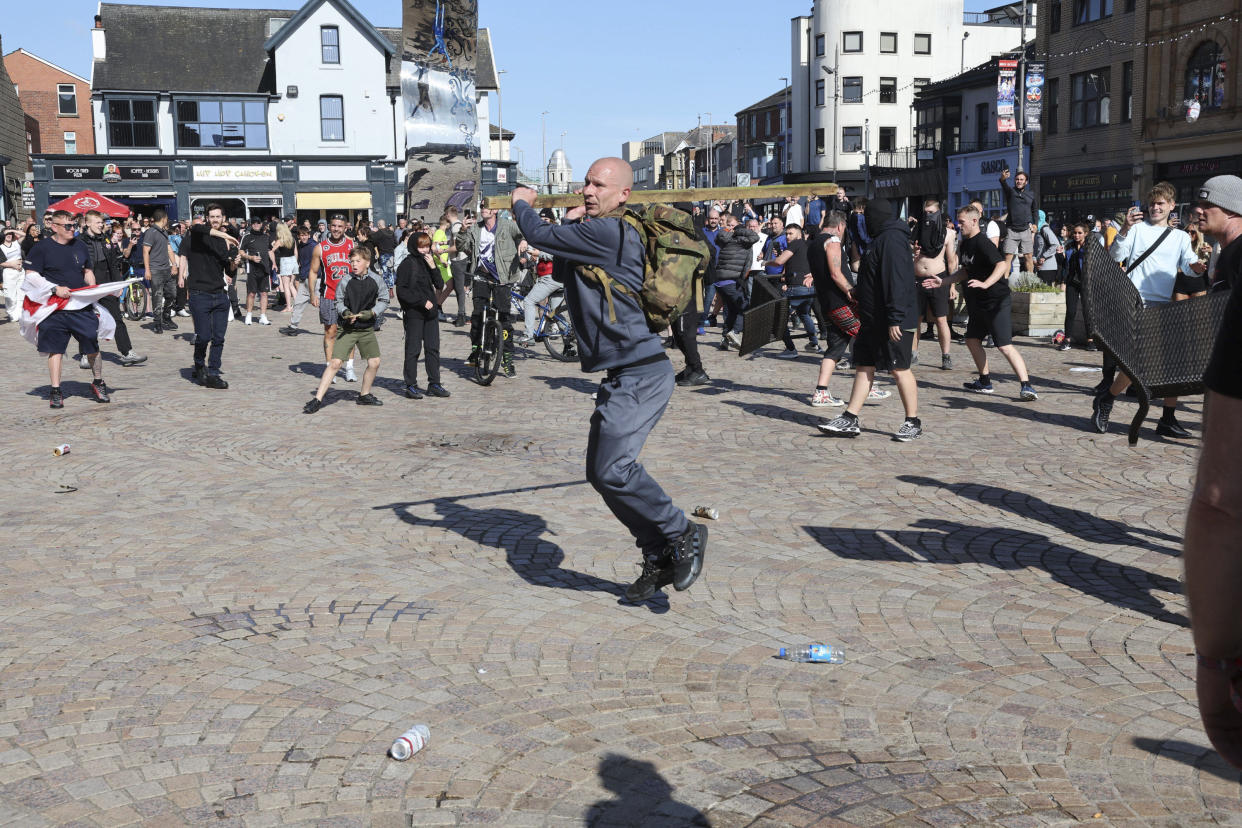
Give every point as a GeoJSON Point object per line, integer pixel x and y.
{"type": "Point", "coordinates": [876, 213]}
{"type": "Point", "coordinates": [547, 213]}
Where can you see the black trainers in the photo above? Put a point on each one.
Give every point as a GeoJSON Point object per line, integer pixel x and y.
{"type": "Point", "coordinates": [369, 399]}
{"type": "Point", "coordinates": [979, 387]}
{"type": "Point", "coordinates": [199, 374]}
{"type": "Point", "coordinates": [312, 405]}
{"type": "Point", "coordinates": [56, 399]}
{"type": "Point", "coordinates": [1101, 408]}
{"type": "Point", "coordinates": [1171, 428]}
{"type": "Point", "coordinates": [435, 389]}
{"type": "Point", "coordinates": [694, 378]}
{"type": "Point", "coordinates": [910, 430]}
{"type": "Point", "coordinates": [506, 366]}
{"type": "Point", "coordinates": [100, 391]}
{"type": "Point", "coordinates": [413, 392]}
{"type": "Point", "coordinates": [657, 573]}
{"type": "Point", "coordinates": [169, 324]}
{"type": "Point", "coordinates": [688, 553]}
{"type": "Point", "coordinates": [842, 426]}
{"type": "Point", "coordinates": [215, 382]}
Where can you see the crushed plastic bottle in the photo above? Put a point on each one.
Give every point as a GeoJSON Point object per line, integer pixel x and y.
{"type": "Point", "coordinates": [409, 743]}
{"type": "Point", "coordinates": [819, 653]}
{"type": "Point", "coordinates": [706, 512]}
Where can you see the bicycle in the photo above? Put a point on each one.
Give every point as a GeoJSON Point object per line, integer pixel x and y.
{"type": "Point", "coordinates": [492, 335]}
{"type": "Point", "coordinates": [134, 301]}
{"type": "Point", "coordinates": [554, 328]}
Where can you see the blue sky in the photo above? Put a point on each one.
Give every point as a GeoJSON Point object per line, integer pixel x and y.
{"type": "Point", "coordinates": [588, 64]}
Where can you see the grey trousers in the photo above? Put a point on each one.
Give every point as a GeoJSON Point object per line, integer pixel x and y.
{"type": "Point", "coordinates": [627, 406]}
{"type": "Point", "coordinates": [300, 300]}
{"type": "Point", "coordinates": [163, 293]}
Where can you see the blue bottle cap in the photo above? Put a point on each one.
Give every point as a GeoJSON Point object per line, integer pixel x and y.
{"type": "Point", "coordinates": [782, 652]}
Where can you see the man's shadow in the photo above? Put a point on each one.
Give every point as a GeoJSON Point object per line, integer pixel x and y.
{"type": "Point", "coordinates": [1203, 759]}
{"type": "Point", "coordinates": [641, 797]}
{"type": "Point", "coordinates": [520, 536]}
{"type": "Point", "coordinates": [1006, 548]}
{"type": "Point", "coordinates": [579, 384]}
{"type": "Point", "coordinates": [1082, 525]}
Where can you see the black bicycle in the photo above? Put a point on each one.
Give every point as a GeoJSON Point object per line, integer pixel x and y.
{"type": "Point", "coordinates": [492, 335]}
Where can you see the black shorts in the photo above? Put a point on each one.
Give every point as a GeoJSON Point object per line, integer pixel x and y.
{"type": "Point", "coordinates": [55, 331]}
{"type": "Point", "coordinates": [993, 317]}
{"type": "Point", "coordinates": [836, 344]}
{"type": "Point", "coordinates": [935, 298]}
{"type": "Point", "coordinates": [258, 282]}
{"type": "Point", "coordinates": [873, 349]}
{"type": "Point", "coordinates": [1190, 285]}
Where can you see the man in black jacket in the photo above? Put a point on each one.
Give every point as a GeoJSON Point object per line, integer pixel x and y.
{"type": "Point", "coordinates": [732, 262]}
{"type": "Point", "coordinates": [108, 269]}
{"type": "Point", "coordinates": [417, 283]}
{"type": "Point", "coordinates": [888, 309]}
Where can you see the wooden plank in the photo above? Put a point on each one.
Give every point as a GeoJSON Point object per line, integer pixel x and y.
{"type": "Point", "coordinates": [669, 196]}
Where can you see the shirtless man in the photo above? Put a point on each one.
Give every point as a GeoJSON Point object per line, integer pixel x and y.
{"type": "Point", "coordinates": [937, 301]}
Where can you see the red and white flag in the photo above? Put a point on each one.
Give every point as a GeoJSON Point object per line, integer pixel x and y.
{"type": "Point", "coordinates": [41, 302]}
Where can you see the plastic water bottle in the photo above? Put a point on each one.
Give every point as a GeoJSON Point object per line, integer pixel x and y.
{"type": "Point", "coordinates": [409, 743]}
{"type": "Point", "coordinates": [820, 653]}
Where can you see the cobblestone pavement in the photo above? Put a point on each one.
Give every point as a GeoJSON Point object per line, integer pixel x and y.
{"type": "Point", "coordinates": [219, 611]}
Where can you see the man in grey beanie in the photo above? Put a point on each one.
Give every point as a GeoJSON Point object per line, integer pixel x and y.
{"type": "Point", "coordinates": [1220, 205]}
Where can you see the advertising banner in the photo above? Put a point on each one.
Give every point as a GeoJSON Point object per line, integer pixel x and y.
{"type": "Point", "coordinates": [1033, 106]}
{"type": "Point", "coordinates": [438, 94]}
{"type": "Point", "coordinates": [1006, 88]}
{"type": "Point", "coordinates": [110, 173]}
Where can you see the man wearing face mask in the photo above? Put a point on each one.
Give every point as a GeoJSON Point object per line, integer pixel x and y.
{"type": "Point", "coordinates": [935, 254]}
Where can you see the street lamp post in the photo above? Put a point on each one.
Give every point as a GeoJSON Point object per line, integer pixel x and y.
{"type": "Point", "coordinates": [500, 116]}
{"type": "Point", "coordinates": [543, 165]}
{"type": "Point", "coordinates": [1020, 91]}
{"type": "Point", "coordinates": [836, 130]}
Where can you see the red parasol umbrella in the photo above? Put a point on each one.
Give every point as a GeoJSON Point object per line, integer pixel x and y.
{"type": "Point", "coordinates": [90, 200]}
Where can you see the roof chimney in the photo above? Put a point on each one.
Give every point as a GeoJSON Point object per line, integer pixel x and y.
{"type": "Point", "coordinates": [99, 47]}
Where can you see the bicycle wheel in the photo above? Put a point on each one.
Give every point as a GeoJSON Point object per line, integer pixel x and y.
{"type": "Point", "coordinates": [136, 301]}
{"type": "Point", "coordinates": [559, 339]}
{"type": "Point", "coordinates": [490, 352]}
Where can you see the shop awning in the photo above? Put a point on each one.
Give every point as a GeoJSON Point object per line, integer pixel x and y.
{"type": "Point", "coordinates": [334, 201]}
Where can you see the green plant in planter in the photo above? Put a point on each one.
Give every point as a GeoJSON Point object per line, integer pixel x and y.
{"type": "Point", "coordinates": [1030, 283]}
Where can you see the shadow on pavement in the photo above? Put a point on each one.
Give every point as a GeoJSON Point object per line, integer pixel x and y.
{"type": "Point", "coordinates": [1082, 525]}
{"type": "Point", "coordinates": [1204, 759]}
{"type": "Point", "coordinates": [579, 384]}
{"type": "Point", "coordinates": [520, 536]}
{"type": "Point", "coordinates": [641, 797]}
{"type": "Point", "coordinates": [1006, 548]}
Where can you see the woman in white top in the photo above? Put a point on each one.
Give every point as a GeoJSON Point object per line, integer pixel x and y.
{"type": "Point", "coordinates": [14, 273]}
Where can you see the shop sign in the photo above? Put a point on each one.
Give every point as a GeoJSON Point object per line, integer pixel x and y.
{"type": "Point", "coordinates": [110, 173]}
{"type": "Point", "coordinates": [250, 172]}
{"type": "Point", "coordinates": [1205, 168]}
{"type": "Point", "coordinates": [28, 195]}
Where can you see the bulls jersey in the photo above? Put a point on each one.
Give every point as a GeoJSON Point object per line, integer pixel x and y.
{"type": "Point", "coordinates": [334, 264]}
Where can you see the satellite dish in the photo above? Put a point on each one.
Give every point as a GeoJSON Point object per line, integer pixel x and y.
{"type": "Point", "coordinates": [1192, 111]}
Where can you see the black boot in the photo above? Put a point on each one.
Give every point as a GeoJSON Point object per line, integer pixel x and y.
{"type": "Point", "coordinates": [168, 322]}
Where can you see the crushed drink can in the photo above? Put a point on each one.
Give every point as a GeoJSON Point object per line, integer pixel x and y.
{"type": "Point", "coordinates": [61, 450]}
{"type": "Point", "coordinates": [706, 512]}
{"type": "Point", "coordinates": [409, 743]}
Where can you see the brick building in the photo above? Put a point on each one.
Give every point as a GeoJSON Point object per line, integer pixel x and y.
{"type": "Point", "coordinates": [1192, 49]}
{"type": "Point", "coordinates": [1087, 158]}
{"type": "Point", "coordinates": [762, 139]}
{"type": "Point", "coordinates": [57, 100]}
{"type": "Point", "coordinates": [14, 161]}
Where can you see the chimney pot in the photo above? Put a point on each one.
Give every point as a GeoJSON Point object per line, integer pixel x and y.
{"type": "Point", "coordinates": [98, 21]}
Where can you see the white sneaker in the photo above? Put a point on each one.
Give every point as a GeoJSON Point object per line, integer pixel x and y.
{"type": "Point", "coordinates": [249, 319]}
{"type": "Point", "coordinates": [183, 312]}
{"type": "Point", "coordinates": [820, 399]}
{"type": "Point", "coordinates": [85, 363]}
{"type": "Point", "coordinates": [350, 376]}
{"type": "Point", "coordinates": [734, 339]}
{"type": "Point", "coordinates": [263, 319]}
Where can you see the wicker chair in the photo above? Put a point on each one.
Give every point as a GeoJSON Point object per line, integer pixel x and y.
{"type": "Point", "coordinates": [1163, 349]}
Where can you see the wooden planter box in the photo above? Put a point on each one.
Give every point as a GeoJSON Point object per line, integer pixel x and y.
{"type": "Point", "coordinates": [1038, 314]}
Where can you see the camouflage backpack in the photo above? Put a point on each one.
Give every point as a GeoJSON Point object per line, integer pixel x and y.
{"type": "Point", "coordinates": [675, 258]}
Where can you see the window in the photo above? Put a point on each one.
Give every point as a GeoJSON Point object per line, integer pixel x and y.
{"type": "Point", "coordinates": [1052, 97]}
{"type": "Point", "coordinates": [852, 90]}
{"type": "Point", "coordinates": [1129, 5]}
{"type": "Point", "coordinates": [222, 124]}
{"type": "Point", "coordinates": [919, 83]}
{"type": "Point", "coordinates": [131, 123]}
{"type": "Point", "coordinates": [1127, 91]}
{"type": "Point", "coordinates": [330, 44]}
{"type": "Point", "coordinates": [753, 131]}
{"type": "Point", "coordinates": [819, 45]}
{"type": "Point", "coordinates": [819, 142]}
{"type": "Point", "coordinates": [888, 90]}
{"type": "Point", "coordinates": [1088, 11]}
{"type": "Point", "coordinates": [819, 93]}
{"type": "Point", "coordinates": [851, 42]}
{"type": "Point", "coordinates": [331, 118]}
{"type": "Point", "coordinates": [71, 143]}
{"type": "Point", "coordinates": [888, 139]}
{"type": "Point", "coordinates": [922, 44]}
{"type": "Point", "coordinates": [67, 100]}
{"type": "Point", "coordinates": [1089, 99]}
{"type": "Point", "coordinates": [888, 43]}
{"type": "Point", "coordinates": [1205, 75]}
{"type": "Point", "coordinates": [851, 139]}
{"type": "Point", "coordinates": [983, 119]}
{"type": "Point", "coordinates": [1054, 17]}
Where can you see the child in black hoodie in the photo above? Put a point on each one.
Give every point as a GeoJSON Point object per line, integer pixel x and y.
{"type": "Point", "coordinates": [418, 281]}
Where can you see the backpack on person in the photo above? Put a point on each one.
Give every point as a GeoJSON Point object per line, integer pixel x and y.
{"type": "Point", "coordinates": [931, 234]}
{"type": "Point", "coordinates": [675, 259]}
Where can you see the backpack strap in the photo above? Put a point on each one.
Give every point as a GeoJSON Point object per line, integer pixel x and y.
{"type": "Point", "coordinates": [1149, 250]}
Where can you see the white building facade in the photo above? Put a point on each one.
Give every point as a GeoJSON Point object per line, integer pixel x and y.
{"type": "Point", "coordinates": [856, 65]}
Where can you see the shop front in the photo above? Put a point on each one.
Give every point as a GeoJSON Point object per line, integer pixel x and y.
{"type": "Point", "coordinates": [1087, 195]}
{"type": "Point", "coordinates": [1187, 176]}
{"type": "Point", "coordinates": [314, 188]}
{"type": "Point", "coordinates": [976, 175]}
{"type": "Point", "coordinates": [906, 190]}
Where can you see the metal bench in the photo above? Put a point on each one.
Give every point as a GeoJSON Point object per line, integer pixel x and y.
{"type": "Point", "coordinates": [1163, 349]}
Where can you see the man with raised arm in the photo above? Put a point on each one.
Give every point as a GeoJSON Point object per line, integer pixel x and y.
{"type": "Point", "coordinates": [613, 336]}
